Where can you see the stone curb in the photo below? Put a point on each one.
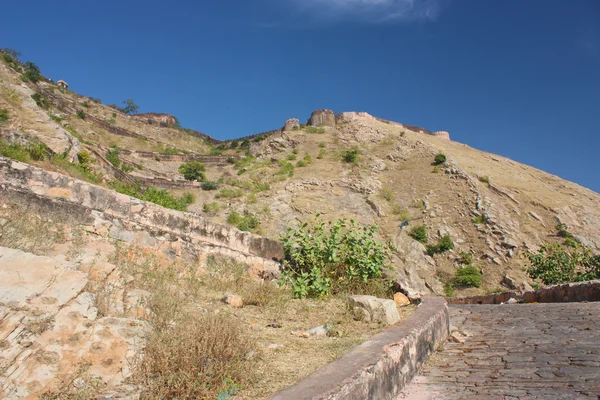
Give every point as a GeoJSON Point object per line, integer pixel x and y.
{"type": "Point", "coordinates": [381, 367]}
{"type": "Point", "coordinates": [566, 293]}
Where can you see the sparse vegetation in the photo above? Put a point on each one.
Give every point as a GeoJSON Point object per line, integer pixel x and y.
{"type": "Point", "coordinates": [32, 73]}
{"type": "Point", "coordinates": [211, 208]}
{"type": "Point", "coordinates": [157, 196]}
{"type": "Point", "coordinates": [169, 151]}
{"type": "Point", "coordinates": [285, 168]}
{"type": "Point", "coordinates": [321, 154]}
{"type": "Point", "coordinates": [386, 193]}
{"type": "Point", "coordinates": [401, 212]}
{"type": "Point", "coordinates": [333, 257]}
{"type": "Point", "coordinates": [484, 179]}
{"type": "Point", "coordinates": [35, 150]}
{"type": "Point", "coordinates": [444, 244]}
{"type": "Point", "coordinates": [419, 204]}
{"type": "Point", "coordinates": [80, 114]}
{"type": "Point", "coordinates": [312, 129]}
{"type": "Point", "coordinates": [3, 115]}
{"type": "Point", "coordinates": [480, 219]}
{"type": "Point", "coordinates": [419, 233]}
{"type": "Point", "coordinates": [229, 194]}
{"type": "Point", "coordinates": [192, 171]}
{"type": "Point", "coordinates": [41, 100]}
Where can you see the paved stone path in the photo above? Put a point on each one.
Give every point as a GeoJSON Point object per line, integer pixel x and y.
{"type": "Point", "coordinates": [521, 351]}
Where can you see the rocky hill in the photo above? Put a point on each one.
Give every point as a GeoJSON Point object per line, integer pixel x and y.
{"type": "Point", "coordinates": [492, 207]}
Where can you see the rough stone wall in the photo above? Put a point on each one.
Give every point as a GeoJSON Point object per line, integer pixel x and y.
{"type": "Point", "coordinates": [383, 365]}
{"type": "Point", "coordinates": [321, 118]}
{"type": "Point", "coordinates": [442, 134]}
{"type": "Point", "coordinates": [106, 212]}
{"type": "Point", "coordinates": [566, 293]}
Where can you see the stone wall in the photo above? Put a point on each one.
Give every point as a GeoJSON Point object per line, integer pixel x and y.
{"type": "Point", "coordinates": [382, 366]}
{"type": "Point", "coordinates": [566, 293]}
{"type": "Point", "coordinates": [106, 212]}
{"type": "Point", "coordinates": [321, 118]}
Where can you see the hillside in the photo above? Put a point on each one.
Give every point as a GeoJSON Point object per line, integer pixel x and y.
{"type": "Point", "coordinates": [290, 174]}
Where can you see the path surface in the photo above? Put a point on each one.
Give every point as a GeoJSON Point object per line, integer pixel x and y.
{"type": "Point", "coordinates": [522, 351]}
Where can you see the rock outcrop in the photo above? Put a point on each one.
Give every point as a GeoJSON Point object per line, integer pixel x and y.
{"type": "Point", "coordinates": [321, 118]}
{"type": "Point", "coordinates": [164, 120]}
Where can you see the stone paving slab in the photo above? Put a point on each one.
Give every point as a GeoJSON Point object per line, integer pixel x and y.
{"type": "Point", "coordinates": [520, 352]}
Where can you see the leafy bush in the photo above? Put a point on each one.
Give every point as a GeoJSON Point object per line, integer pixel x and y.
{"type": "Point", "coordinates": [229, 193]}
{"type": "Point", "coordinates": [130, 107]}
{"type": "Point", "coordinates": [444, 244]}
{"type": "Point", "coordinates": [554, 263]}
{"type": "Point", "coordinates": [209, 185]}
{"type": "Point", "coordinates": [467, 276]}
{"type": "Point", "coordinates": [300, 164]}
{"type": "Point", "coordinates": [350, 156]}
{"type": "Point", "coordinates": [80, 114]}
{"type": "Point", "coordinates": [307, 159]}
{"type": "Point", "coordinates": [332, 257]}
{"type": "Point", "coordinates": [245, 222]}
{"type": "Point", "coordinates": [419, 233]}
{"type": "Point", "coordinates": [484, 179]}
{"type": "Point", "coordinates": [439, 159]}
{"type": "Point", "coordinates": [3, 115]}
{"type": "Point", "coordinates": [192, 171]}
{"type": "Point", "coordinates": [234, 144]}
{"type": "Point", "coordinates": [84, 157]}
{"type": "Point", "coordinates": [562, 230]}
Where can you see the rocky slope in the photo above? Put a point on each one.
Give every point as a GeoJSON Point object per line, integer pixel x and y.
{"type": "Point", "coordinates": [289, 174]}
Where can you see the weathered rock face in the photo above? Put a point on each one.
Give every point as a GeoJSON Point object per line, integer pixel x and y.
{"type": "Point", "coordinates": [50, 328]}
{"type": "Point", "coordinates": [291, 124]}
{"type": "Point", "coordinates": [121, 217]}
{"type": "Point", "coordinates": [373, 309]}
{"type": "Point", "coordinates": [164, 120]}
{"type": "Point", "coordinates": [442, 134]}
{"type": "Point", "coordinates": [321, 118]}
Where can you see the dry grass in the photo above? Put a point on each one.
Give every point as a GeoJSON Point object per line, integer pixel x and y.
{"type": "Point", "coordinates": [29, 232]}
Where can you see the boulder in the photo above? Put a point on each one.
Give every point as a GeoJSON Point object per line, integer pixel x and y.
{"type": "Point", "coordinates": [401, 300]}
{"type": "Point", "coordinates": [321, 118]}
{"type": "Point", "coordinates": [233, 300]}
{"type": "Point", "coordinates": [291, 124]}
{"type": "Point", "coordinates": [373, 309]}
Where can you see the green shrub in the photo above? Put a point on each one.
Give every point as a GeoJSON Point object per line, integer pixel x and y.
{"type": "Point", "coordinates": [14, 151]}
{"type": "Point", "coordinates": [80, 114]}
{"type": "Point", "coordinates": [312, 129]}
{"type": "Point", "coordinates": [209, 185]}
{"type": "Point", "coordinates": [41, 100]}
{"type": "Point", "coordinates": [555, 263]}
{"type": "Point", "coordinates": [300, 164]}
{"type": "Point", "coordinates": [112, 156]}
{"type": "Point", "coordinates": [3, 115]}
{"type": "Point", "coordinates": [285, 168]}
{"type": "Point", "coordinates": [32, 72]}
{"type": "Point", "coordinates": [246, 222]}
{"type": "Point", "coordinates": [562, 230]}
{"type": "Point", "coordinates": [465, 258]}
{"type": "Point", "coordinates": [334, 257]}
{"type": "Point", "coordinates": [188, 198]}
{"type": "Point", "coordinates": [291, 157]}
{"type": "Point", "coordinates": [84, 157]}
{"type": "Point", "coordinates": [467, 276]}
{"type": "Point", "coordinates": [37, 150]}
{"type": "Point", "coordinates": [192, 171]}
{"type": "Point", "coordinates": [419, 233]}
{"type": "Point", "coordinates": [261, 187]}
{"type": "Point", "coordinates": [480, 219]}
{"type": "Point", "coordinates": [234, 144]}
{"type": "Point", "coordinates": [444, 244]}
{"type": "Point", "coordinates": [351, 156]}
{"type": "Point", "coordinates": [321, 154]}
{"type": "Point", "coordinates": [322, 145]}
{"type": "Point", "coordinates": [439, 159]}
{"type": "Point", "coordinates": [307, 159]}
{"type": "Point", "coordinates": [229, 193]}
{"type": "Point", "coordinates": [484, 179]}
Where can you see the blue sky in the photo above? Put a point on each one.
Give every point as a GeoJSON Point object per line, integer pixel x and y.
{"type": "Point", "coordinates": [513, 77]}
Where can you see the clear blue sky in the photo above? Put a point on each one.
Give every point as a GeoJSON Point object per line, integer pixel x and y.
{"type": "Point", "coordinates": [519, 78]}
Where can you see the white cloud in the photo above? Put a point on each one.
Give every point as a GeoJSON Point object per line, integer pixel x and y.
{"type": "Point", "coordinates": [370, 10]}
